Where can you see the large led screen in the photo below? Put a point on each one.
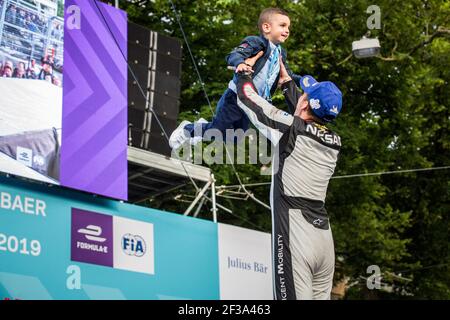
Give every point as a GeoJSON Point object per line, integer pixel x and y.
{"type": "Point", "coordinates": [63, 94]}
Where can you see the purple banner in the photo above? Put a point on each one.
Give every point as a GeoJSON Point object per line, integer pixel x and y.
{"type": "Point", "coordinates": [92, 237]}
{"type": "Point", "coordinates": [94, 134]}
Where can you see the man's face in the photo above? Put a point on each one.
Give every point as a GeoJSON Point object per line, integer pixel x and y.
{"type": "Point", "coordinates": [277, 30]}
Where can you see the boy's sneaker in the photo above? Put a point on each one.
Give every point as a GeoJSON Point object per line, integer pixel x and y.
{"type": "Point", "coordinates": [193, 141]}
{"type": "Point", "coordinates": [179, 136]}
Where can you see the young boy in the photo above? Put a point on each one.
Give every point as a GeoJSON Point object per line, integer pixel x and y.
{"type": "Point", "coordinates": [273, 25]}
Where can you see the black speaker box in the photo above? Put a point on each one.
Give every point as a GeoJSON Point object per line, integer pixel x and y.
{"type": "Point", "coordinates": [168, 64]}
{"type": "Point", "coordinates": [139, 55]}
{"type": "Point", "coordinates": [162, 104]}
{"type": "Point", "coordinates": [169, 46]}
{"type": "Point", "coordinates": [136, 138]}
{"type": "Point", "coordinates": [153, 88]}
{"type": "Point", "coordinates": [157, 140]}
{"type": "Point", "coordinates": [161, 82]}
{"type": "Point", "coordinates": [139, 73]}
{"type": "Point", "coordinates": [166, 106]}
{"type": "Point", "coordinates": [136, 118]}
{"type": "Point", "coordinates": [167, 85]}
{"type": "Point", "coordinates": [169, 126]}
{"type": "Point", "coordinates": [139, 35]}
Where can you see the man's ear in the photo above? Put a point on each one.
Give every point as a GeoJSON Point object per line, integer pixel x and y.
{"type": "Point", "coordinates": [305, 104]}
{"type": "Point", "coordinates": [299, 107]}
{"type": "Point", "coordinates": [302, 104]}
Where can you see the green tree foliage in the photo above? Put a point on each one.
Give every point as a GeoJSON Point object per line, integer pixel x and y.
{"type": "Point", "coordinates": [395, 117]}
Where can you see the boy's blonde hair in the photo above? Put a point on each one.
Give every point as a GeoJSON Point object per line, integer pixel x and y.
{"type": "Point", "coordinates": [266, 15]}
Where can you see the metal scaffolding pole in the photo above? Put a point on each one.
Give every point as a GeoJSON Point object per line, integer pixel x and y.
{"type": "Point", "coordinates": [201, 196]}
{"type": "Point", "coordinates": [213, 197]}
{"type": "Point", "coordinates": [199, 207]}
{"type": "Point", "coordinates": [197, 198]}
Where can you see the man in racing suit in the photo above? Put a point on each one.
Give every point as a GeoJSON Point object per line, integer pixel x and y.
{"type": "Point", "coordinates": [307, 151]}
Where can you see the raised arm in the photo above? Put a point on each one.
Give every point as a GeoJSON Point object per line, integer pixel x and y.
{"type": "Point", "coordinates": [269, 120]}
{"type": "Point", "coordinates": [294, 76]}
{"type": "Point", "coordinates": [289, 89]}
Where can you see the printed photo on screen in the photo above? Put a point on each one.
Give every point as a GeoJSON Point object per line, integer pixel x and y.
{"type": "Point", "coordinates": [31, 68]}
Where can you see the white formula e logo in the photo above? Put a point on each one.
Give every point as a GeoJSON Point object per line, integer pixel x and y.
{"type": "Point", "coordinates": [92, 232]}
{"type": "Point", "coordinates": [24, 156]}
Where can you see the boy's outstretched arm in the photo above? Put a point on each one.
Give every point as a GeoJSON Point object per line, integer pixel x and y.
{"type": "Point", "coordinates": [246, 49]}
{"type": "Point", "coordinates": [269, 120]}
{"type": "Point", "coordinates": [249, 63]}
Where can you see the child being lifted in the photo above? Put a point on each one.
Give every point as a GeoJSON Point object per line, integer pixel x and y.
{"type": "Point", "coordinates": [273, 24]}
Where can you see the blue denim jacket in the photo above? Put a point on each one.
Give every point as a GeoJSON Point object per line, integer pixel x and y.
{"type": "Point", "coordinates": [250, 46]}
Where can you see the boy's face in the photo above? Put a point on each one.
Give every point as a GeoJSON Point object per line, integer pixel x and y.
{"type": "Point", "coordinates": [277, 30]}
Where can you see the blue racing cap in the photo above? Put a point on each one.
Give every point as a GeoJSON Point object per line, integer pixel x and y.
{"type": "Point", "coordinates": [325, 98]}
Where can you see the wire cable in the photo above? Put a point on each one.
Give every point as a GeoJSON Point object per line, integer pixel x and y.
{"type": "Point", "coordinates": [156, 117]}
{"type": "Point", "coordinates": [192, 56]}
{"type": "Point", "coordinates": [251, 195]}
{"type": "Point", "coordinates": [142, 91]}
{"type": "Point", "coordinates": [389, 172]}
{"type": "Point", "coordinates": [349, 176]}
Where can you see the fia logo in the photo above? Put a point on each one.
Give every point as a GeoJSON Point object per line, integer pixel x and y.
{"type": "Point", "coordinates": [133, 245]}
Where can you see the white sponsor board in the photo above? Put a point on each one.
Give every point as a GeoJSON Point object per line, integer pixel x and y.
{"type": "Point", "coordinates": [245, 264]}
{"type": "Point", "coordinates": [133, 245]}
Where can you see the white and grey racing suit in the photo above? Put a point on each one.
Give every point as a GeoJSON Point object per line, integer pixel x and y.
{"type": "Point", "coordinates": [306, 156]}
